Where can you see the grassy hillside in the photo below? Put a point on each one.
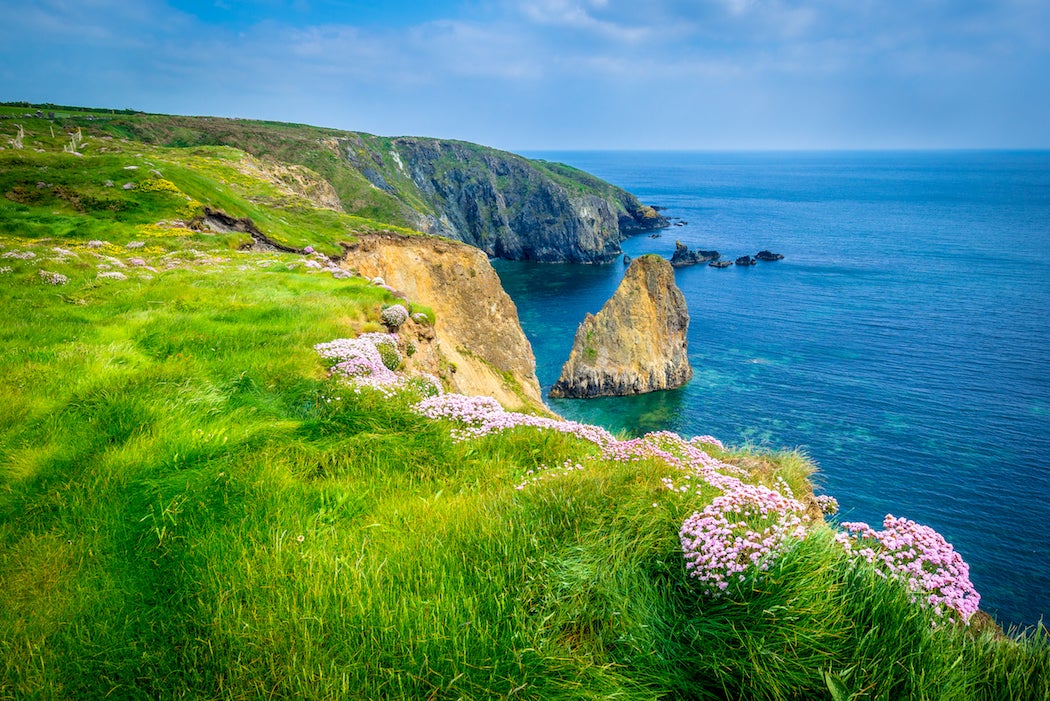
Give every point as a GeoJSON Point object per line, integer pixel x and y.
{"type": "Point", "coordinates": [191, 506]}
{"type": "Point", "coordinates": [403, 181]}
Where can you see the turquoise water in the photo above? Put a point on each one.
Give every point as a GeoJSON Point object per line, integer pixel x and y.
{"type": "Point", "coordinates": [903, 342]}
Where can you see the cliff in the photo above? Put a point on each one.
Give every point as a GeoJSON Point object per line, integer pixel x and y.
{"type": "Point", "coordinates": [479, 344]}
{"type": "Point", "coordinates": [506, 205]}
{"type": "Point", "coordinates": [636, 343]}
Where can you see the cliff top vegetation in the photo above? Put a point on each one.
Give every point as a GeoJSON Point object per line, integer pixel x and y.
{"type": "Point", "coordinates": [193, 505]}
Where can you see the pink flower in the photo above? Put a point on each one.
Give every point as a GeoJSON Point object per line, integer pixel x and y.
{"type": "Point", "coordinates": [919, 557]}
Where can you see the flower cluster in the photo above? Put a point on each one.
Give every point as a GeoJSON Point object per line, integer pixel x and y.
{"type": "Point", "coordinates": [20, 255]}
{"type": "Point", "coordinates": [357, 359]}
{"type": "Point", "coordinates": [368, 361]}
{"type": "Point", "coordinates": [685, 456]}
{"type": "Point", "coordinates": [919, 557]}
{"type": "Point", "coordinates": [828, 504]}
{"type": "Point", "coordinates": [156, 184]}
{"type": "Point", "coordinates": [482, 416]}
{"type": "Point", "coordinates": [386, 344]}
{"type": "Point", "coordinates": [473, 411]}
{"type": "Point", "coordinates": [739, 534]}
{"type": "Point", "coordinates": [393, 316]}
{"type": "Point", "coordinates": [53, 278]}
{"type": "Point", "coordinates": [112, 275]}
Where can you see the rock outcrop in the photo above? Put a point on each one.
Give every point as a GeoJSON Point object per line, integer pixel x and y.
{"type": "Point", "coordinates": [506, 205]}
{"type": "Point", "coordinates": [636, 343]}
{"type": "Point", "coordinates": [769, 256]}
{"type": "Point", "coordinates": [479, 344]}
{"type": "Point", "coordinates": [683, 256]}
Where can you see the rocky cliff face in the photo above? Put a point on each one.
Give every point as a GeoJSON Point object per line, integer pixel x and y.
{"type": "Point", "coordinates": [636, 343]}
{"type": "Point", "coordinates": [478, 339]}
{"type": "Point", "coordinates": [508, 206]}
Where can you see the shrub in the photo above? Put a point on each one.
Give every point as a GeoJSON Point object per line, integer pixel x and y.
{"type": "Point", "coordinates": [390, 355]}
{"type": "Point", "coordinates": [393, 316]}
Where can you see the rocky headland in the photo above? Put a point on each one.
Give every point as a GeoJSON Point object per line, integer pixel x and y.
{"type": "Point", "coordinates": [636, 343]}
{"type": "Point", "coordinates": [506, 205]}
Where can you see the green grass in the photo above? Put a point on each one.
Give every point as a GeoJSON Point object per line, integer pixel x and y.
{"type": "Point", "coordinates": [47, 192]}
{"type": "Point", "coordinates": [190, 508]}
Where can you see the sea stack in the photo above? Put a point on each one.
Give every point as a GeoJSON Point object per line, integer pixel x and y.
{"type": "Point", "coordinates": [636, 343]}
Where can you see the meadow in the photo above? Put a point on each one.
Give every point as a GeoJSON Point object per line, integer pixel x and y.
{"type": "Point", "coordinates": [193, 505]}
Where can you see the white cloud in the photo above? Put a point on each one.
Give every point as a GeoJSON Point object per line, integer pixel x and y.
{"type": "Point", "coordinates": [580, 16]}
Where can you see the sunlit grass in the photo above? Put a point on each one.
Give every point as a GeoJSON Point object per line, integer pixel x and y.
{"type": "Point", "coordinates": [191, 508]}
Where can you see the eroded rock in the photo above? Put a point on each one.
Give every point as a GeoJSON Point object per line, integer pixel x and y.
{"type": "Point", "coordinates": [636, 343]}
{"type": "Point", "coordinates": [480, 348]}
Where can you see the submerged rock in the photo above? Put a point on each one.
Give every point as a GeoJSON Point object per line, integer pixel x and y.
{"type": "Point", "coordinates": [683, 256]}
{"type": "Point", "coordinates": [636, 343]}
{"type": "Point", "coordinates": [720, 263]}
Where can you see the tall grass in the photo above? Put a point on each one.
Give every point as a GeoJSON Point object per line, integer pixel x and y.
{"type": "Point", "coordinates": [190, 508]}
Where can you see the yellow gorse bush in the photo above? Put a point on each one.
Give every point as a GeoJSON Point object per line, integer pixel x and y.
{"type": "Point", "coordinates": [159, 185]}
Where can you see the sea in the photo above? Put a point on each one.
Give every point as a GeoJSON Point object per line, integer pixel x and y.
{"type": "Point", "coordinates": [903, 342]}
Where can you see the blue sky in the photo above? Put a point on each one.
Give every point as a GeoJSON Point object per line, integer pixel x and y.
{"type": "Point", "coordinates": [559, 74]}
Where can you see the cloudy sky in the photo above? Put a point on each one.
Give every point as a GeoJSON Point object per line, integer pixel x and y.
{"type": "Point", "coordinates": [559, 74]}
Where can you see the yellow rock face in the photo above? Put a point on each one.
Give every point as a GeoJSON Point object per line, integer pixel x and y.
{"type": "Point", "coordinates": [476, 330]}
{"type": "Point", "coordinates": [636, 343]}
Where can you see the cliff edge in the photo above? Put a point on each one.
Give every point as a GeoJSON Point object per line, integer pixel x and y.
{"type": "Point", "coordinates": [479, 341]}
{"type": "Point", "coordinates": [508, 206]}
{"type": "Point", "coordinates": [637, 341]}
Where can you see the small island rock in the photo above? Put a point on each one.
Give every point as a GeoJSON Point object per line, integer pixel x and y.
{"type": "Point", "coordinates": [769, 256]}
{"type": "Point", "coordinates": [745, 260]}
{"type": "Point", "coordinates": [636, 343]}
{"type": "Point", "coordinates": [683, 256]}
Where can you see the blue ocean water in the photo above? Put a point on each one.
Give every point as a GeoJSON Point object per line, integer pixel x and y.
{"type": "Point", "coordinates": [903, 342]}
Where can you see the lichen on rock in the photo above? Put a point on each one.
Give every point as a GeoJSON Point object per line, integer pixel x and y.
{"type": "Point", "coordinates": [636, 343]}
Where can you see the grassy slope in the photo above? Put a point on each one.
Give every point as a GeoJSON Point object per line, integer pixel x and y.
{"type": "Point", "coordinates": [326, 152]}
{"type": "Point", "coordinates": [190, 508]}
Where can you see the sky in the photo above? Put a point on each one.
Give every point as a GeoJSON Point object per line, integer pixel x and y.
{"type": "Point", "coordinates": [559, 74]}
